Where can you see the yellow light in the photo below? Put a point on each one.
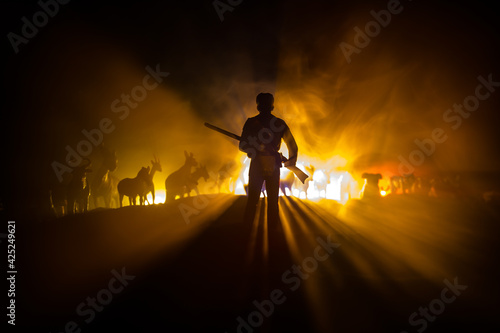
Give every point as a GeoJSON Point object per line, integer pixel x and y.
{"type": "Point", "coordinates": [323, 182]}
{"type": "Point", "coordinates": [159, 197]}
{"type": "Point", "coordinates": [240, 188]}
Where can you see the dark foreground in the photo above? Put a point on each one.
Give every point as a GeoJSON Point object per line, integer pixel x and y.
{"type": "Point", "coordinates": [401, 264]}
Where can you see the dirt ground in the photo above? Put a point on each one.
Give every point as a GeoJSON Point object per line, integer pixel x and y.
{"type": "Point", "coordinates": [399, 264]}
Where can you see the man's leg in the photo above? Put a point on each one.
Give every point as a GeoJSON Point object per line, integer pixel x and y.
{"type": "Point", "coordinates": [272, 188]}
{"type": "Point", "coordinates": [255, 180]}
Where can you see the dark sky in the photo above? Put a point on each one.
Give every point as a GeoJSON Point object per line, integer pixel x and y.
{"type": "Point", "coordinates": [367, 111]}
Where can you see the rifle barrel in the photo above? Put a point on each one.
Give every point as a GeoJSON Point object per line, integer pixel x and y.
{"type": "Point", "coordinates": [220, 130]}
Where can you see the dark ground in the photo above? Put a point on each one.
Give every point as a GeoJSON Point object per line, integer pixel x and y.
{"type": "Point", "coordinates": [200, 277]}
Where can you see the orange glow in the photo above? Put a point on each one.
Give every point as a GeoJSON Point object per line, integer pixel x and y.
{"type": "Point", "coordinates": [322, 184]}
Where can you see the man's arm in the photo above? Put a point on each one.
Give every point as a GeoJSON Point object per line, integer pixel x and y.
{"type": "Point", "coordinates": [292, 147]}
{"type": "Point", "coordinates": [244, 144]}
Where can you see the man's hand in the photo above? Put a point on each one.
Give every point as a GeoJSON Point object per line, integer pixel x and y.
{"type": "Point", "coordinates": [286, 162]}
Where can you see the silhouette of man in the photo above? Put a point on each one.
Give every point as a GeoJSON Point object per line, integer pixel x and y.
{"type": "Point", "coordinates": [261, 140]}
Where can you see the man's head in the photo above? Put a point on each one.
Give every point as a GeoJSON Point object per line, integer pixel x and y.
{"type": "Point", "coordinates": [265, 102]}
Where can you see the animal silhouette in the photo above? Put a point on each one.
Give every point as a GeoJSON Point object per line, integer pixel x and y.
{"type": "Point", "coordinates": [321, 182]}
{"type": "Point", "coordinates": [58, 199]}
{"type": "Point", "coordinates": [135, 187]}
{"type": "Point", "coordinates": [156, 166]}
{"type": "Point", "coordinates": [446, 186]}
{"type": "Point", "coordinates": [227, 176]}
{"type": "Point", "coordinates": [262, 189]}
{"type": "Point", "coordinates": [404, 183]}
{"type": "Point", "coordinates": [287, 183]}
{"type": "Point", "coordinates": [304, 187]}
{"type": "Point", "coordinates": [370, 189]}
{"type": "Point", "coordinates": [176, 182]}
{"type": "Point", "coordinates": [78, 189]}
{"type": "Point", "coordinates": [422, 186]}
{"type": "Point", "coordinates": [200, 172]}
{"type": "Point", "coordinates": [104, 185]}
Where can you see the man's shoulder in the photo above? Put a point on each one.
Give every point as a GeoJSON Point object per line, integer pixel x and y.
{"type": "Point", "coordinates": [278, 120]}
{"type": "Point", "coordinates": [269, 118]}
{"type": "Point", "coordinates": [254, 118]}
{"type": "Point", "coordinates": [251, 121]}
{"type": "Point", "coordinates": [265, 121]}
{"type": "Point", "coordinates": [278, 123]}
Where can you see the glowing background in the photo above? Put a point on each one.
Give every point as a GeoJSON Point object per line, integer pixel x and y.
{"type": "Point", "coordinates": [355, 117]}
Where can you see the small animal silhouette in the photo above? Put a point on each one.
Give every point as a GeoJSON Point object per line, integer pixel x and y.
{"type": "Point", "coordinates": [404, 183]}
{"type": "Point", "coordinates": [287, 183]}
{"type": "Point", "coordinates": [422, 186]}
{"type": "Point", "coordinates": [135, 187]}
{"type": "Point", "coordinates": [304, 187]}
{"type": "Point", "coordinates": [371, 189]}
{"type": "Point", "coordinates": [176, 182]}
{"type": "Point", "coordinates": [446, 186]}
{"type": "Point", "coordinates": [321, 182]}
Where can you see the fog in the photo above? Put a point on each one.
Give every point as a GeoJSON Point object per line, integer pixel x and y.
{"type": "Point", "coordinates": [358, 114]}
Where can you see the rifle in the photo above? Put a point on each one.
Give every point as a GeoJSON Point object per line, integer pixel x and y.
{"type": "Point", "coordinates": [299, 173]}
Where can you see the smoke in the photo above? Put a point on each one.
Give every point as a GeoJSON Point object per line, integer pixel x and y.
{"type": "Point", "coordinates": [370, 111]}
{"type": "Point", "coordinates": [357, 116]}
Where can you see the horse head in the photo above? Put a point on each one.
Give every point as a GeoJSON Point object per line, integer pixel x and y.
{"type": "Point", "coordinates": [156, 164]}
{"type": "Point", "coordinates": [203, 172]}
{"type": "Point", "coordinates": [190, 160]}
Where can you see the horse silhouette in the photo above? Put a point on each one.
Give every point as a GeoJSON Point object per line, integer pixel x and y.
{"type": "Point", "coordinates": [176, 182]}
{"type": "Point", "coordinates": [135, 187]}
